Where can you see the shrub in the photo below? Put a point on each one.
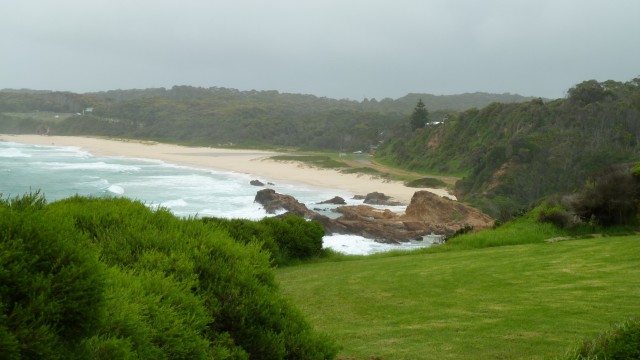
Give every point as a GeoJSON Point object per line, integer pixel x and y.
{"type": "Point", "coordinates": [247, 231]}
{"type": "Point", "coordinates": [181, 288]}
{"type": "Point", "coordinates": [621, 342]}
{"type": "Point", "coordinates": [611, 199]}
{"type": "Point", "coordinates": [51, 282]}
{"type": "Point", "coordinates": [296, 237]}
{"type": "Point", "coordinates": [557, 215]}
{"type": "Point", "coordinates": [288, 238]}
{"type": "Point", "coordinates": [426, 183]}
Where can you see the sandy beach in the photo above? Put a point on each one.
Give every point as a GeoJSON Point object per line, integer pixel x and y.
{"type": "Point", "coordinates": [252, 162]}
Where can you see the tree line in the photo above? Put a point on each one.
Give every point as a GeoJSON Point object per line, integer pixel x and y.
{"type": "Point", "coordinates": [512, 155]}
{"type": "Point", "coordinates": [223, 117]}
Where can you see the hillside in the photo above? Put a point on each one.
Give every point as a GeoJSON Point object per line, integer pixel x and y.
{"type": "Point", "coordinates": [223, 117]}
{"type": "Point", "coordinates": [515, 154]}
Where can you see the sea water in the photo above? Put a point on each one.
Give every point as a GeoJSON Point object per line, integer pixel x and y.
{"type": "Point", "coordinates": [59, 172]}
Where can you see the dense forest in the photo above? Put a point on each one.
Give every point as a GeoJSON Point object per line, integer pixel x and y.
{"type": "Point", "coordinates": [512, 155]}
{"type": "Point", "coordinates": [225, 117]}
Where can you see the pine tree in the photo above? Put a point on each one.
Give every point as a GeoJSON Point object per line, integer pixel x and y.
{"type": "Point", "coordinates": [420, 116]}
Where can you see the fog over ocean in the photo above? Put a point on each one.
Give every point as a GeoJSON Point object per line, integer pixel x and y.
{"type": "Point", "coordinates": [59, 172]}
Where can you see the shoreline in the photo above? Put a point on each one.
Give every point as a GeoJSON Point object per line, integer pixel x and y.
{"type": "Point", "coordinates": [252, 162]}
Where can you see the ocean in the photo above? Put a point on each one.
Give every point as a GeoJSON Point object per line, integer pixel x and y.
{"type": "Point", "coordinates": [59, 172]}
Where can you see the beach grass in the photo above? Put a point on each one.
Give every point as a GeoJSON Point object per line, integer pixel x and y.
{"type": "Point", "coordinates": [426, 182]}
{"type": "Point", "coordinates": [534, 300]}
{"type": "Point", "coordinates": [348, 164]}
{"type": "Point", "coordinates": [320, 161]}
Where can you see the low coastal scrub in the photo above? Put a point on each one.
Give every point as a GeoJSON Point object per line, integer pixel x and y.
{"type": "Point", "coordinates": [365, 171]}
{"type": "Point", "coordinates": [320, 161]}
{"type": "Point", "coordinates": [288, 239]}
{"type": "Point", "coordinates": [326, 162]}
{"type": "Point", "coordinates": [87, 278]}
{"type": "Point", "coordinates": [621, 342]}
{"type": "Point", "coordinates": [426, 182]}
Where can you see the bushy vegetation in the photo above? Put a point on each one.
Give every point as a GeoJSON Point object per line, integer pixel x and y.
{"type": "Point", "coordinates": [612, 198]}
{"type": "Point", "coordinates": [288, 239]}
{"type": "Point", "coordinates": [426, 182]}
{"type": "Point", "coordinates": [621, 342]}
{"type": "Point", "coordinates": [86, 278]}
{"type": "Point", "coordinates": [513, 155]}
{"type": "Point", "coordinates": [321, 161]}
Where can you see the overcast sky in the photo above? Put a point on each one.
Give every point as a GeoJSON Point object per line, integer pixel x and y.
{"type": "Point", "coordinates": [335, 48]}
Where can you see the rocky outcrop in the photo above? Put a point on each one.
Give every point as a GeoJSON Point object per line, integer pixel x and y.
{"type": "Point", "coordinates": [272, 202]}
{"type": "Point", "coordinates": [449, 215]}
{"type": "Point", "coordinates": [427, 213]}
{"type": "Point", "coordinates": [376, 198]}
{"type": "Point", "coordinates": [336, 200]}
{"type": "Point", "coordinates": [256, 183]}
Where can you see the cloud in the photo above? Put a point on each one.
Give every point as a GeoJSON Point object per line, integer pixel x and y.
{"type": "Point", "coordinates": [332, 48]}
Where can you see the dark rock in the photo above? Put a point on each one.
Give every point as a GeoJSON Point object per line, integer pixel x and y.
{"type": "Point", "coordinates": [272, 202]}
{"type": "Point", "coordinates": [336, 200]}
{"type": "Point", "coordinates": [426, 207]}
{"type": "Point", "coordinates": [376, 198]}
{"type": "Point", "coordinates": [256, 183]}
{"type": "Point", "coordinates": [427, 213]}
{"type": "Point", "coordinates": [358, 197]}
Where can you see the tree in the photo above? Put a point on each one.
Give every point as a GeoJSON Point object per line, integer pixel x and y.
{"type": "Point", "coordinates": [588, 92]}
{"type": "Point", "coordinates": [420, 116]}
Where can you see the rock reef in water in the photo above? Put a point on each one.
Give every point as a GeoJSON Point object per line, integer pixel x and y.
{"type": "Point", "coordinates": [427, 213]}
{"type": "Point", "coordinates": [336, 200]}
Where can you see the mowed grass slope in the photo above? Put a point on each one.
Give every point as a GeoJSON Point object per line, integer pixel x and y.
{"type": "Point", "coordinates": [529, 301]}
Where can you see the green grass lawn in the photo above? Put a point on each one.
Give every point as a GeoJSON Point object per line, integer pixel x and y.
{"type": "Point", "coordinates": [522, 301]}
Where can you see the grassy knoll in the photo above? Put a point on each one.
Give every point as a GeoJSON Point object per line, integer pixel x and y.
{"type": "Point", "coordinates": [363, 164]}
{"type": "Point", "coordinates": [534, 300]}
{"type": "Point", "coordinates": [320, 161]}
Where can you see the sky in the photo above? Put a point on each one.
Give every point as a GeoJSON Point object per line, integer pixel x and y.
{"type": "Point", "coordinates": [351, 49]}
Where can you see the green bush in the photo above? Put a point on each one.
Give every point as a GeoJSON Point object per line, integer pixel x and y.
{"type": "Point", "coordinates": [557, 215]}
{"type": "Point", "coordinates": [296, 237]}
{"type": "Point", "coordinates": [289, 238]}
{"type": "Point", "coordinates": [86, 278]}
{"type": "Point", "coordinates": [426, 183]}
{"type": "Point", "coordinates": [51, 282]}
{"type": "Point", "coordinates": [621, 342]}
{"type": "Point", "coordinates": [183, 288]}
{"type": "Point", "coordinates": [610, 199]}
{"type": "Point", "coordinates": [247, 231]}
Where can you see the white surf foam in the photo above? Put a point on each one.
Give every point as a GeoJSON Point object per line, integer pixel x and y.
{"type": "Point", "coordinates": [13, 153]}
{"type": "Point", "coordinates": [96, 166]}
